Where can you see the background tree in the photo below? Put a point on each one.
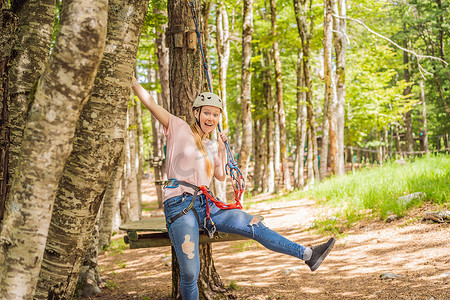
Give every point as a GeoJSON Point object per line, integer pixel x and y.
{"type": "Point", "coordinates": [8, 23]}
{"type": "Point", "coordinates": [246, 115]}
{"type": "Point", "coordinates": [98, 142]}
{"type": "Point", "coordinates": [47, 142]}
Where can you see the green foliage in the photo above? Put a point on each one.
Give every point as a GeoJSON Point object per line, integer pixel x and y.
{"type": "Point", "coordinates": [374, 94]}
{"type": "Point", "coordinates": [116, 247]}
{"type": "Point", "coordinates": [233, 286]}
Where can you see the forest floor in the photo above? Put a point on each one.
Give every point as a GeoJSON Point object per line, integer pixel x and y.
{"type": "Point", "coordinates": [418, 253]}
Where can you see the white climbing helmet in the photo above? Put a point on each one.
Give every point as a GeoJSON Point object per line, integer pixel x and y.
{"type": "Point", "coordinates": [208, 98]}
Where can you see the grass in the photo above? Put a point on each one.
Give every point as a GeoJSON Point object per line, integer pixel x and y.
{"type": "Point", "coordinates": [375, 191]}
{"type": "Point", "coordinates": [116, 247]}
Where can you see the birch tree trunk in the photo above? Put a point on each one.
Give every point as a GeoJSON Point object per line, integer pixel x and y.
{"type": "Point", "coordinates": [300, 136]}
{"type": "Point", "coordinates": [98, 143]}
{"type": "Point", "coordinates": [340, 46]}
{"type": "Point", "coordinates": [305, 25]}
{"type": "Point", "coordinates": [424, 118]}
{"type": "Point", "coordinates": [89, 280]}
{"type": "Point", "coordinates": [327, 72]}
{"type": "Point", "coordinates": [30, 55]}
{"type": "Point", "coordinates": [47, 143]}
{"type": "Point", "coordinates": [109, 205]}
{"type": "Point", "coordinates": [269, 139]}
{"type": "Point", "coordinates": [163, 99]}
{"type": "Point", "coordinates": [158, 142]}
{"type": "Point", "coordinates": [8, 24]}
{"type": "Point", "coordinates": [279, 96]}
{"type": "Point", "coordinates": [186, 81]}
{"type": "Point", "coordinates": [409, 138]}
{"type": "Point", "coordinates": [131, 169]}
{"type": "Point", "coordinates": [246, 97]}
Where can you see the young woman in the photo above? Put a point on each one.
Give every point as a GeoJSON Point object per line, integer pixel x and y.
{"type": "Point", "coordinates": [192, 160]}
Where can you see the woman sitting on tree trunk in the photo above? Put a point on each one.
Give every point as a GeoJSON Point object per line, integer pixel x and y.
{"type": "Point", "coordinates": [192, 160]}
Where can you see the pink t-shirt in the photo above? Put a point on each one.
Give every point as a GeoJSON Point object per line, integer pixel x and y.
{"type": "Point", "coordinates": [183, 159]}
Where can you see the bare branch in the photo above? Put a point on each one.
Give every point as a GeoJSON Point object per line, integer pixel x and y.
{"type": "Point", "coordinates": [418, 56]}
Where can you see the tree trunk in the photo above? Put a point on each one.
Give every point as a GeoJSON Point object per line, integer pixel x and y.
{"type": "Point", "coordinates": [327, 126]}
{"type": "Point", "coordinates": [286, 180]}
{"type": "Point", "coordinates": [98, 143]}
{"type": "Point", "coordinates": [269, 139]}
{"type": "Point", "coordinates": [8, 23]}
{"type": "Point", "coordinates": [158, 142]}
{"type": "Point", "coordinates": [300, 135]}
{"type": "Point", "coordinates": [131, 194]}
{"type": "Point", "coordinates": [186, 82]}
{"type": "Point", "coordinates": [47, 143]}
{"type": "Point", "coordinates": [109, 204]}
{"type": "Point", "coordinates": [424, 117]}
{"type": "Point", "coordinates": [409, 138]}
{"type": "Point", "coordinates": [340, 46]}
{"type": "Point", "coordinates": [163, 99]}
{"type": "Point", "coordinates": [89, 279]}
{"type": "Point", "coordinates": [246, 78]}
{"type": "Point", "coordinates": [310, 161]}
{"type": "Point", "coordinates": [305, 26]}
{"type": "Point", "coordinates": [30, 54]}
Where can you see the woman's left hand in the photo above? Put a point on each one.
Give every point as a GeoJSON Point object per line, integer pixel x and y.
{"type": "Point", "coordinates": [221, 140]}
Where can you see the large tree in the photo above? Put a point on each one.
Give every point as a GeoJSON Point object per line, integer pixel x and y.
{"type": "Point", "coordinates": [61, 92]}
{"type": "Point", "coordinates": [98, 143]}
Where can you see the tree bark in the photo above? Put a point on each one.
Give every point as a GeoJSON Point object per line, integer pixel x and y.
{"type": "Point", "coordinates": [186, 78]}
{"type": "Point", "coordinates": [408, 116]}
{"type": "Point", "coordinates": [109, 205]}
{"type": "Point", "coordinates": [158, 140]}
{"type": "Point", "coordinates": [340, 46]}
{"type": "Point", "coordinates": [163, 99]}
{"type": "Point", "coordinates": [8, 23]}
{"type": "Point", "coordinates": [47, 143]}
{"type": "Point", "coordinates": [328, 99]}
{"type": "Point", "coordinates": [131, 189]}
{"type": "Point", "coordinates": [29, 57]}
{"type": "Point", "coordinates": [98, 143]}
{"type": "Point", "coordinates": [286, 180]}
{"type": "Point", "coordinates": [305, 26]}
{"type": "Point", "coordinates": [300, 135]}
{"type": "Point", "coordinates": [246, 78]}
{"type": "Point", "coordinates": [89, 280]}
{"type": "Point", "coordinates": [424, 117]}
{"type": "Point", "coordinates": [269, 139]}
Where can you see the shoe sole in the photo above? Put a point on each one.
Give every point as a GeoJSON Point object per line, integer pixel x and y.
{"type": "Point", "coordinates": [322, 257]}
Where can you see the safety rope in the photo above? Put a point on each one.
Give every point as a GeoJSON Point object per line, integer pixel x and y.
{"type": "Point", "coordinates": [231, 168]}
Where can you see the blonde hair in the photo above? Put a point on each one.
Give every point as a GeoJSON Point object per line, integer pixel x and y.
{"type": "Point", "coordinates": [201, 147]}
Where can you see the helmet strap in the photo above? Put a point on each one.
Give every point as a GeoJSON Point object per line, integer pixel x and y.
{"type": "Point", "coordinates": [198, 120]}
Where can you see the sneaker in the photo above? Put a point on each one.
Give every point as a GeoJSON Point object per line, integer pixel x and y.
{"type": "Point", "coordinates": [319, 253]}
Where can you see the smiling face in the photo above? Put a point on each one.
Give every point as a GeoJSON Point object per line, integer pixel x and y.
{"type": "Point", "coordinates": [208, 117]}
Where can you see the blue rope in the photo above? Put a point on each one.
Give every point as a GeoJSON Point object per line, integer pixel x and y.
{"type": "Point", "coordinates": [231, 167]}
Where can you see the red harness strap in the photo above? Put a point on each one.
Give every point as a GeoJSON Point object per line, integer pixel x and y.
{"type": "Point", "coordinates": [219, 204]}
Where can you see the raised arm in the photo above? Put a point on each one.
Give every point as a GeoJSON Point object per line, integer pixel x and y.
{"type": "Point", "coordinates": [157, 111]}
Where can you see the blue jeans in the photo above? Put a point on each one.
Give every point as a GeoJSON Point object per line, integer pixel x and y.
{"type": "Point", "coordinates": [184, 234]}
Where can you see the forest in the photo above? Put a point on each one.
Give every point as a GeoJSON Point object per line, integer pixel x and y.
{"type": "Point", "coordinates": [312, 90]}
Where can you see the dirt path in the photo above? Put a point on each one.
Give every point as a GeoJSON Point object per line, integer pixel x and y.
{"type": "Point", "coordinates": [419, 253]}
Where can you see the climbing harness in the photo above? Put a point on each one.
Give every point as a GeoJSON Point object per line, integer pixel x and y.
{"type": "Point", "coordinates": [231, 168]}
{"type": "Point", "coordinates": [173, 183]}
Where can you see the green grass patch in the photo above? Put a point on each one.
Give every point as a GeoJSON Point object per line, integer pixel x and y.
{"type": "Point", "coordinates": [116, 247]}
{"type": "Point", "coordinates": [375, 191]}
